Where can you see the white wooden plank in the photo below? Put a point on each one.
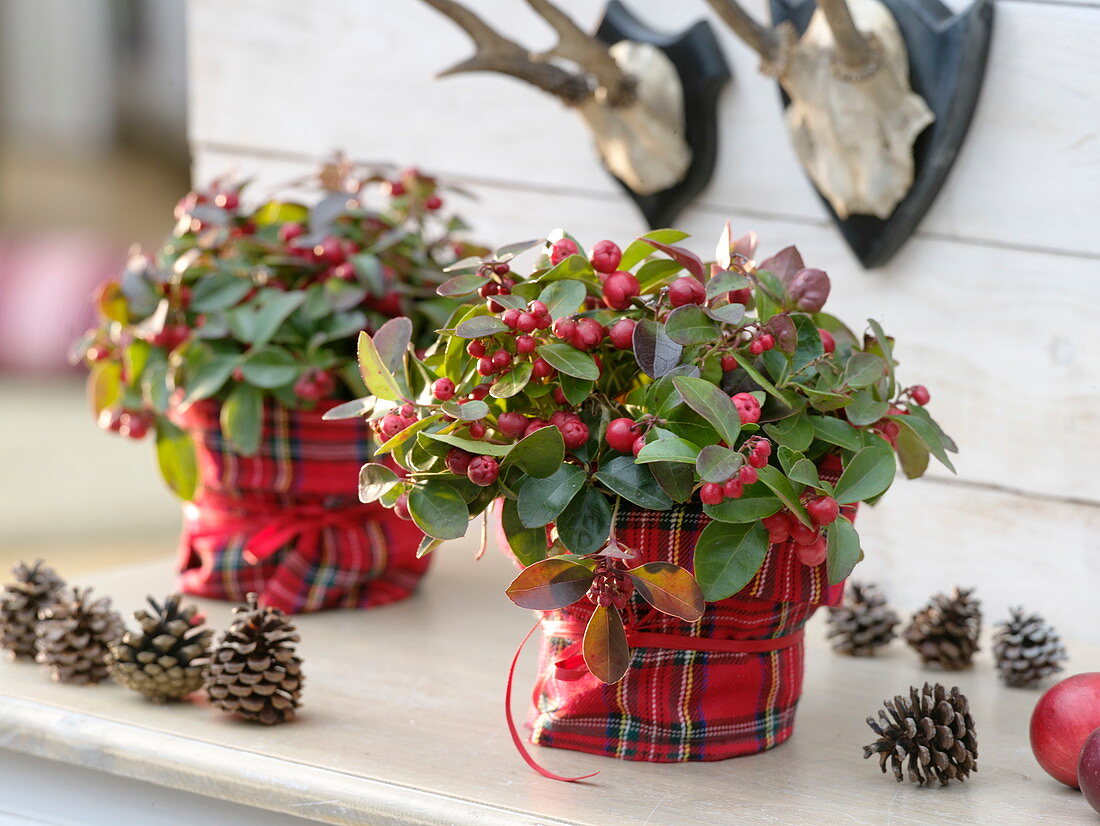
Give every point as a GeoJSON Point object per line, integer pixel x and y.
{"type": "Point", "coordinates": [1005, 340]}
{"type": "Point", "coordinates": [402, 723]}
{"type": "Point", "coordinates": [358, 75]}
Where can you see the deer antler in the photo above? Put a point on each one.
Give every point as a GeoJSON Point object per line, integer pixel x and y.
{"type": "Point", "coordinates": [763, 40]}
{"type": "Point", "coordinates": [852, 48]}
{"type": "Point", "coordinates": [497, 53]}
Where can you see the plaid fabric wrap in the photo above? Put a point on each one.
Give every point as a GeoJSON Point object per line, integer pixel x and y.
{"type": "Point", "coordinates": [677, 706]}
{"type": "Point", "coordinates": [324, 549]}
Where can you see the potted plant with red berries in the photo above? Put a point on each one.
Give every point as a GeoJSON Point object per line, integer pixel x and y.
{"type": "Point", "coordinates": [233, 343]}
{"type": "Point", "coordinates": [677, 450]}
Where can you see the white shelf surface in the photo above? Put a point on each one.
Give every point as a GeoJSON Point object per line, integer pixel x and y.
{"type": "Point", "coordinates": [403, 723]}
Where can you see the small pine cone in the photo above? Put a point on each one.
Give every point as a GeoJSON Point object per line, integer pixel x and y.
{"type": "Point", "coordinates": [253, 671]}
{"type": "Point", "coordinates": [945, 632]}
{"type": "Point", "coordinates": [164, 661]}
{"type": "Point", "coordinates": [1027, 649]}
{"type": "Point", "coordinates": [34, 587]}
{"type": "Point", "coordinates": [863, 623]}
{"type": "Point", "coordinates": [75, 635]}
{"type": "Point", "coordinates": [931, 733]}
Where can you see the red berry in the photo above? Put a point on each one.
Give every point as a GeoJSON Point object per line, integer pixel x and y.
{"type": "Point", "coordinates": [483, 471]}
{"type": "Point", "coordinates": [475, 349]}
{"type": "Point", "coordinates": [733, 488]}
{"type": "Point", "coordinates": [345, 272]}
{"type": "Point", "coordinates": [742, 296]}
{"type": "Point", "coordinates": [443, 389]}
{"type": "Point", "coordinates": [502, 359]}
{"type": "Point", "coordinates": [134, 424]}
{"type": "Point", "coordinates": [227, 200]}
{"type": "Point", "coordinates": [574, 433]}
{"type": "Point", "coordinates": [919, 394]}
{"type": "Point", "coordinates": [559, 396]}
{"type": "Point", "coordinates": [565, 328]}
{"type": "Point", "coordinates": [802, 534]}
{"type": "Point", "coordinates": [889, 431]}
{"type": "Point", "coordinates": [512, 424]}
{"type": "Point", "coordinates": [686, 290]}
{"type": "Point", "coordinates": [533, 425]}
{"type": "Point", "coordinates": [767, 341]}
{"type": "Point", "coordinates": [589, 334]}
{"type": "Point", "coordinates": [392, 424]}
{"type": "Point", "coordinates": [479, 392]}
{"type": "Point", "coordinates": [537, 308]}
{"type": "Point", "coordinates": [526, 323]}
{"type": "Point", "coordinates": [511, 318]}
{"type": "Point", "coordinates": [433, 202]}
{"type": "Point", "coordinates": [485, 366]}
{"type": "Point", "coordinates": [306, 387]}
{"type": "Point", "coordinates": [756, 347]}
{"type": "Point", "coordinates": [562, 249]}
{"type": "Point", "coordinates": [477, 430]}
{"type": "Point", "coordinates": [778, 526]}
{"type": "Point", "coordinates": [489, 288]}
{"type": "Point", "coordinates": [814, 553]}
{"type": "Point", "coordinates": [621, 334]}
{"type": "Point", "coordinates": [458, 460]}
{"type": "Point", "coordinates": [605, 256]}
{"type": "Point", "coordinates": [525, 345]}
{"type": "Point", "coordinates": [747, 474]}
{"type": "Point", "coordinates": [110, 419]}
{"type": "Point", "coordinates": [288, 232]}
{"type": "Point", "coordinates": [560, 417]}
{"type": "Point", "coordinates": [729, 363]}
{"type": "Point", "coordinates": [401, 507]}
{"type": "Point", "coordinates": [711, 494]}
{"type": "Point", "coordinates": [823, 510]}
{"type": "Point", "coordinates": [396, 188]}
{"type": "Point", "coordinates": [828, 343]}
{"type": "Point", "coordinates": [639, 443]}
{"type": "Point", "coordinates": [330, 250]}
{"type": "Point", "coordinates": [618, 289]}
{"type": "Point", "coordinates": [541, 369]}
{"type": "Point", "coordinates": [621, 434]}
{"type": "Point", "coordinates": [501, 268]}
{"type": "Point", "coordinates": [748, 408]}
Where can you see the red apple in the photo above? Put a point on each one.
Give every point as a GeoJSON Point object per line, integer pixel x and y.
{"type": "Point", "coordinates": [1064, 716]}
{"type": "Point", "coordinates": [1088, 769]}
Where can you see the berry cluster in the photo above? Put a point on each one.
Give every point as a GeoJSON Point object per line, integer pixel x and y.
{"type": "Point", "coordinates": [809, 542]}
{"type": "Point", "coordinates": [133, 424]}
{"type": "Point", "coordinates": [610, 587]}
{"type": "Point", "coordinates": [757, 451]}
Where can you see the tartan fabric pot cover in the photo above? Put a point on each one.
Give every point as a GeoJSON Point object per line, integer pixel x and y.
{"type": "Point", "coordinates": [287, 523]}
{"type": "Point", "coordinates": [682, 705]}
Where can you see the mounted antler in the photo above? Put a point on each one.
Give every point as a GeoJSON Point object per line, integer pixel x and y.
{"type": "Point", "coordinates": [853, 115]}
{"type": "Point", "coordinates": [629, 93]}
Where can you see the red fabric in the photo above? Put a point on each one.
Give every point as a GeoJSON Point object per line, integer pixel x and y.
{"type": "Point", "coordinates": [679, 702]}
{"type": "Point", "coordinates": [287, 523]}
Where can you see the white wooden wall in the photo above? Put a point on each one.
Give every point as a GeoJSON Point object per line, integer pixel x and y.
{"type": "Point", "coordinates": [994, 301]}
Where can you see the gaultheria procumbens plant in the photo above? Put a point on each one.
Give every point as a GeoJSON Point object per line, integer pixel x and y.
{"type": "Point", "coordinates": [646, 375]}
{"type": "Point", "coordinates": [244, 304]}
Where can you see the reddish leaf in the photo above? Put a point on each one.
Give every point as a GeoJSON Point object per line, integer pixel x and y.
{"type": "Point", "coordinates": [606, 652]}
{"type": "Point", "coordinates": [745, 247]}
{"type": "Point", "coordinates": [684, 257]}
{"type": "Point", "coordinates": [784, 263]}
{"type": "Point", "coordinates": [786, 335]}
{"type": "Point", "coordinates": [670, 589]}
{"type": "Point", "coordinates": [549, 584]}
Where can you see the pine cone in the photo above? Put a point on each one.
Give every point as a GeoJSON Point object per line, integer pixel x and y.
{"type": "Point", "coordinates": [254, 671]}
{"type": "Point", "coordinates": [74, 635]}
{"type": "Point", "coordinates": [863, 623]}
{"type": "Point", "coordinates": [945, 632]}
{"type": "Point", "coordinates": [932, 732]}
{"type": "Point", "coordinates": [160, 661]}
{"type": "Point", "coordinates": [20, 602]}
{"type": "Point", "coordinates": [1026, 649]}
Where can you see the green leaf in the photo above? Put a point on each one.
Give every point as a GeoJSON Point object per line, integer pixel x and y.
{"type": "Point", "coordinates": [280, 212]}
{"type": "Point", "coordinates": [378, 378]}
{"type": "Point", "coordinates": [724, 281]}
{"type": "Point", "coordinates": [474, 446]}
{"type": "Point", "coordinates": [342, 295]}
{"type": "Point", "coordinates": [634, 483]}
{"type": "Point", "coordinates": [717, 464]}
{"type": "Point", "coordinates": [427, 545]}
{"type": "Point", "coordinates": [795, 432]}
{"type": "Point", "coordinates": [512, 382]}
{"type": "Point", "coordinates": [369, 272]}
{"type": "Point", "coordinates": [863, 370]}
{"type": "Point", "coordinates": [825, 401]}
{"type": "Point", "coordinates": [689, 325]}
{"type": "Point", "coordinates": [727, 313]}
{"type": "Point", "coordinates": [242, 419]}
{"type": "Point", "coordinates": [465, 411]}
{"type": "Point", "coordinates": [375, 481]}
{"type": "Point", "coordinates": [585, 524]}
{"type": "Point", "coordinates": [605, 649]}
{"type": "Point", "coordinates": [752, 507]}
{"type": "Point", "coordinates": [218, 291]}
{"type": "Point", "coordinates": [669, 449]}
{"type": "Point", "coordinates": [887, 352]}
{"type": "Point", "coordinates": [480, 326]}
{"type": "Point", "coordinates": [782, 487]}
{"type": "Point", "coordinates": [865, 410]}
{"type": "Point", "coordinates": [912, 453]}
{"type": "Point", "coordinates": [655, 274]}
{"type": "Point", "coordinates": [409, 432]}
{"type": "Point", "coordinates": [540, 454]}
{"type": "Point", "coordinates": [439, 510]}
{"type": "Point", "coordinates": [460, 285]}
{"type": "Point", "coordinates": [758, 377]}
{"type": "Point", "coordinates": [563, 298]}
{"type": "Point", "coordinates": [541, 500]}
{"type": "Point", "coordinates": [809, 345]}
{"type": "Point", "coordinates": [575, 390]}
{"type": "Point", "coordinates": [712, 404]}
{"type": "Point", "coordinates": [670, 589]}
{"type": "Point", "coordinates": [176, 459]}
{"type": "Point", "coordinates": [209, 378]}
{"type": "Point", "coordinates": [805, 472]}
{"type": "Point", "coordinates": [510, 251]}
{"type": "Point", "coordinates": [867, 474]}
{"type": "Point", "coordinates": [836, 432]}
{"type": "Point", "coordinates": [550, 584]}
{"type": "Point", "coordinates": [275, 308]}
{"type": "Point", "coordinates": [675, 479]}
{"type": "Point", "coordinates": [927, 434]}
{"type": "Point", "coordinates": [567, 359]}
{"type": "Point", "coordinates": [639, 248]}
{"type": "Point", "coordinates": [392, 341]}
{"type": "Point", "coordinates": [270, 367]}
{"type": "Point", "coordinates": [727, 557]}
{"type": "Point", "coordinates": [528, 545]}
{"type": "Point", "coordinates": [655, 352]}
{"type": "Point", "coordinates": [843, 549]}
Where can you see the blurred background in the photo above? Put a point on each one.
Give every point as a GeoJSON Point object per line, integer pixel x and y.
{"type": "Point", "coordinates": [93, 155]}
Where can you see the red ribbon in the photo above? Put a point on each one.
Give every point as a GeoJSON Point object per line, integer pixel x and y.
{"type": "Point", "coordinates": [570, 665]}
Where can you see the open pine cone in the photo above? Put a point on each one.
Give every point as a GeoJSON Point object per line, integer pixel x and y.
{"type": "Point", "coordinates": [1027, 649]}
{"type": "Point", "coordinates": [165, 660]}
{"type": "Point", "coordinates": [35, 586]}
{"type": "Point", "coordinates": [75, 634]}
{"type": "Point", "coordinates": [931, 733]}
{"type": "Point", "coordinates": [945, 632]}
{"type": "Point", "coordinates": [253, 670]}
{"type": "Point", "coordinates": [864, 623]}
